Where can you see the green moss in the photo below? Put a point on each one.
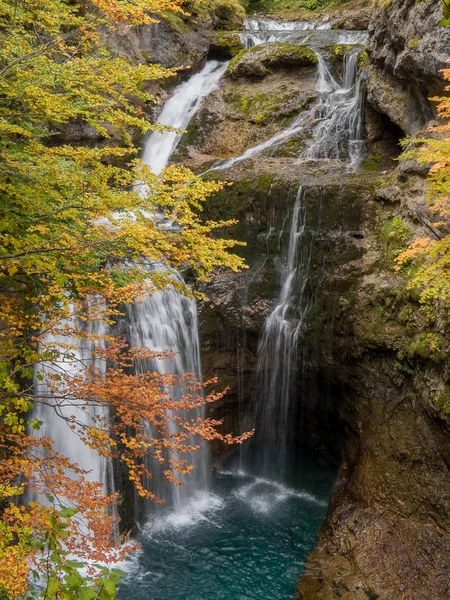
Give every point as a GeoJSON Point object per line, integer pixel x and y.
{"type": "Point", "coordinates": [372, 162]}
{"type": "Point", "coordinates": [428, 346]}
{"type": "Point", "coordinates": [260, 107]}
{"type": "Point", "coordinates": [363, 59]}
{"type": "Point", "coordinates": [276, 55]}
{"type": "Point", "coordinates": [442, 399]}
{"type": "Point", "coordinates": [174, 20]}
{"type": "Point", "coordinates": [413, 43]}
{"type": "Point", "coordinates": [291, 148]}
{"type": "Point", "coordinates": [229, 14]}
{"type": "Point", "coordinates": [336, 52]}
{"type": "Point", "coordinates": [228, 42]}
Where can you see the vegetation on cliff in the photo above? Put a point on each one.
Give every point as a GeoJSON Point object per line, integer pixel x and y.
{"type": "Point", "coordinates": [432, 256]}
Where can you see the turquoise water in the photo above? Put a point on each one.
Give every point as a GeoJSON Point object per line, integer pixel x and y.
{"type": "Point", "coordinates": [245, 539]}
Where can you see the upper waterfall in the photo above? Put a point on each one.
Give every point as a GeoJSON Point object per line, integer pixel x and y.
{"type": "Point", "coordinates": [266, 31]}
{"type": "Point", "coordinates": [177, 113]}
{"type": "Point", "coordinates": [338, 133]}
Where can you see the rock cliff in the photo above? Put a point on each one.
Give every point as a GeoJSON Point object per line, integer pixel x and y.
{"type": "Point", "coordinates": [374, 362]}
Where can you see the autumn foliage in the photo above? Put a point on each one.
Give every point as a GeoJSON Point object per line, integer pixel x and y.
{"type": "Point", "coordinates": [431, 256]}
{"type": "Point", "coordinates": [77, 237]}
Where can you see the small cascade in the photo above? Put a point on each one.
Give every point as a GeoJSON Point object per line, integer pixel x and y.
{"type": "Point", "coordinates": [338, 116]}
{"type": "Point", "coordinates": [264, 31]}
{"type": "Point", "coordinates": [277, 347]}
{"type": "Point", "coordinates": [319, 34]}
{"type": "Point", "coordinates": [338, 133]}
{"type": "Point", "coordinates": [177, 113]}
{"type": "Point", "coordinates": [297, 125]}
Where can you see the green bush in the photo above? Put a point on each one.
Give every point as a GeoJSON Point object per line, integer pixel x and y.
{"type": "Point", "coordinates": [427, 346]}
{"type": "Point", "coordinates": [395, 235]}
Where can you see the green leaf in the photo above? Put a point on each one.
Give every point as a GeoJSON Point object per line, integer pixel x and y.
{"type": "Point", "coordinates": [53, 586]}
{"type": "Point", "coordinates": [67, 513]}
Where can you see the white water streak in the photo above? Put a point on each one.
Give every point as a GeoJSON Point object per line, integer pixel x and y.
{"type": "Point", "coordinates": [178, 112]}
{"type": "Point", "coordinates": [168, 319]}
{"type": "Point", "coordinates": [338, 133]}
{"type": "Point", "coordinates": [265, 31]}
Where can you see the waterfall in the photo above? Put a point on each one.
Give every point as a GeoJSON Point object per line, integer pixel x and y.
{"type": "Point", "coordinates": [339, 114]}
{"type": "Point", "coordinates": [297, 125]}
{"type": "Point", "coordinates": [277, 347]}
{"type": "Point", "coordinates": [338, 133]}
{"type": "Point", "coordinates": [266, 31]}
{"type": "Point", "coordinates": [178, 111]}
{"type": "Point", "coordinates": [75, 355]}
{"type": "Point", "coordinates": [165, 321]}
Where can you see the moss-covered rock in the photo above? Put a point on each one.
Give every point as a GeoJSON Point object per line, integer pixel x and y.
{"type": "Point", "coordinates": [229, 14]}
{"type": "Point", "coordinates": [262, 105]}
{"type": "Point", "coordinates": [257, 62]}
{"type": "Point", "coordinates": [226, 44]}
{"type": "Point", "coordinates": [336, 53]}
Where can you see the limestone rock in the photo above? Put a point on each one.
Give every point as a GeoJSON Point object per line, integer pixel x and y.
{"type": "Point", "coordinates": [408, 49]}
{"type": "Point", "coordinates": [257, 62]}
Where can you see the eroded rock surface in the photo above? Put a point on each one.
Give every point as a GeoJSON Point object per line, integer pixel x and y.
{"type": "Point", "coordinates": [407, 49]}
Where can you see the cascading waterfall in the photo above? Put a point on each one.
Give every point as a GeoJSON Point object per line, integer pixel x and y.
{"type": "Point", "coordinates": [339, 113]}
{"type": "Point", "coordinates": [165, 321]}
{"type": "Point", "coordinates": [297, 125]}
{"type": "Point", "coordinates": [177, 113]}
{"type": "Point", "coordinates": [265, 31]}
{"type": "Point", "coordinates": [277, 348]}
{"type": "Point", "coordinates": [337, 135]}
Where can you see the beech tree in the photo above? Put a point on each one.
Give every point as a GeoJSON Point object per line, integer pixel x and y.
{"type": "Point", "coordinates": [431, 257]}
{"type": "Point", "coordinates": [75, 232]}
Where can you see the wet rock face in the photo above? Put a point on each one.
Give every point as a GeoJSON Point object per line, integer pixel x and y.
{"type": "Point", "coordinates": [408, 49]}
{"type": "Point", "coordinates": [392, 505]}
{"type": "Point", "coordinates": [239, 304]}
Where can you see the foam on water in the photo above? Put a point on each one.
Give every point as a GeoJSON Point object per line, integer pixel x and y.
{"type": "Point", "coordinates": [199, 507]}
{"type": "Point", "coordinates": [263, 495]}
{"type": "Point", "coordinates": [247, 540]}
